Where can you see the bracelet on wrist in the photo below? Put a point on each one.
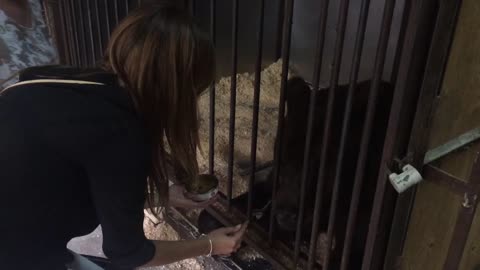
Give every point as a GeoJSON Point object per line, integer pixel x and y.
{"type": "Point", "coordinates": [211, 245]}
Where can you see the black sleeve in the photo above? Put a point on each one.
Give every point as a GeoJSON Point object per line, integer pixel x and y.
{"type": "Point", "coordinates": [117, 173]}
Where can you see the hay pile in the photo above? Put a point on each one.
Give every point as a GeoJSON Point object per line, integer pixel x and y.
{"type": "Point", "coordinates": [267, 127]}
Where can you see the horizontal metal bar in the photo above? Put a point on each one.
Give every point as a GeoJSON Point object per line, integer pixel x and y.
{"type": "Point", "coordinates": [452, 145]}
{"type": "Point", "coordinates": [229, 217]}
{"type": "Point", "coordinates": [277, 253]}
{"type": "Point", "coordinates": [438, 176]}
{"type": "Point", "coordinates": [182, 225]}
{"type": "Point", "coordinates": [464, 220]}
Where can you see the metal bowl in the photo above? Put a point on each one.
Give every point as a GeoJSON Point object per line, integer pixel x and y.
{"type": "Point", "coordinates": [203, 188]}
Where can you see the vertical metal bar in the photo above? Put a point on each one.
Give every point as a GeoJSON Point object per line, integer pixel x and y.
{"type": "Point", "coordinates": [72, 34]}
{"type": "Point", "coordinates": [188, 5]}
{"type": "Point", "coordinates": [464, 219]}
{"type": "Point", "coordinates": [75, 33]}
{"type": "Point", "coordinates": [309, 133]}
{"type": "Point", "coordinates": [233, 99]}
{"type": "Point", "coordinates": [90, 28]}
{"type": "Point", "coordinates": [401, 39]}
{"type": "Point", "coordinates": [115, 8]}
{"type": "Point", "coordinates": [287, 33]}
{"type": "Point", "coordinates": [191, 7]}
{"type": "Point", "coordinates": [211, 142]}
{"type": "Point", "coordinates": [107, 16]}
{"type": "Point", "coordinates": [443, 30]}
{"type": "Point", "coordinates": [341, 28]}
{"type": "Point", "coordinates": [65, 45]}
{"type": "Point", "coordinates": [256, 104]}
{"type": "Point", "coordinates": [367, 128]}
{"type": "Point", "coordinates": [99, 29]}
{"type": "Point", "coordinates": [82, 34]}
{"type": "Point", "coordinates": [127, 7]}
{"type": "Point", "coordinates": [211, 152]}
{"type": "Point", "coordinates": [66, 31]}
{"type": "Point", "coordinates": [279, 28]}
{"type": "Point", "coordinates": [356, 60]}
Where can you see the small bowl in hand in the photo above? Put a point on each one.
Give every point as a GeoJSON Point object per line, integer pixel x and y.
{"type": "Point", "coordinates": [203, 188]}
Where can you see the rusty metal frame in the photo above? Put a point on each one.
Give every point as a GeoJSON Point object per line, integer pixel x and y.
{"type": "Point", "coordinates": [464, 219]}
{"type": "Point", "coordinates": [452, 145]}
{"type": "Point", "coordinates": [187, 230]}
{"type": "Point", "coordinates": [410, 74]}
{"type": "Point", "coordinates": [277, 253]}
{"type": "Point", "coordinates": [439, 51]}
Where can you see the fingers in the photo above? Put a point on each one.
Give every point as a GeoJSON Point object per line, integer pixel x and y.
{"type": "Point", "coordinates": [241, 231]}
{"type": "Point", "coordinates": [207, 202]}
{"type": "Point", "coordinates": [237, 246]}
{"type": "Point", "coordinates": [230, 230]}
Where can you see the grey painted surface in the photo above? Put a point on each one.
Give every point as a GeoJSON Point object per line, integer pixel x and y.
{"type": "Point", "coordinates": [247, 33]}
{"type": "Point", "coordinates": [305, 28]}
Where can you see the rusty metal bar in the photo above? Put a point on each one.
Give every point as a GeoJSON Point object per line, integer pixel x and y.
{"type": "Point", "coordinates": [90, 28]}
{"type": "Point", "coordinates": [107, 16]}
{"type": "Point", "coordinates": [181, 223]}
{"type": "Point", "coordinates": [75, 32]}
{"type": "Point", "coordinates": [464, 220]}
{"type": "Point", "coordinates": [452, 145]}
{"type": "Point", "coordinates": [322, 23]}
{"type": "Point", "coordinates": [438, 176]}
{"type": "Point", "coordinates": [66, 33]}
{"type": "Point", "coordinates": [233, 99]}
{"type": "Point", "coordinates": [211, 141]}
{"type": "Point", "coordinates": [277, 252]}
{"type": "Point", "coordinates": [256, 105]}
{"type": "Point", "coordinates": [66, 45]}
{"type": "Point", "coordinates": [99, 29]}
{"type": "Point", "coordinates": [367, 129]}
{"type": "Point", "coordinates": [82, 32]}
{"type": "Point", "coordinates": [287, 33]}
{"type": "Point", "coordinates": [68, 41]}
{"type": "Point", "coordinates": [401, 39]}
{"type": "Point", "coordinates": [72, 35]}
{"type": "Point", "coordinates": [116, 14]}
{"type": "Point", "coordinates": [341, 28]}
{"type": "Point", "coordinates": [354, 71]}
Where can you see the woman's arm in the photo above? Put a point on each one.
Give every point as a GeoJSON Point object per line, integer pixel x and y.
{"type": "Point", "coordinates": [224, 241]}
{"type": "Point", "coordinates": [172, 251]}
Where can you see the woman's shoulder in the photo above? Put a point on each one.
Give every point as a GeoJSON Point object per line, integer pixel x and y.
{"type": "Point", "coordinates": [63, 90]}
{"type": "Point", "coordinates": [64, 72]}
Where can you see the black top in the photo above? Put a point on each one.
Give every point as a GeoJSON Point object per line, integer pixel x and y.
{"type": "Point", "coordinates": [71, 157]}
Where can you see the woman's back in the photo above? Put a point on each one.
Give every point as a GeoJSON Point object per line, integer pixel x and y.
{"type": "Point", "coordinates": [81, 144]}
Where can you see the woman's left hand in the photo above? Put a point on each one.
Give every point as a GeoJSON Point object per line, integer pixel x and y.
{"type": "Point", "coordinates": [177, 198]}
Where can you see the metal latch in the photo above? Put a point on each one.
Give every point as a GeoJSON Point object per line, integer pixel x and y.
{"type": "Point", "coordinates": [409, 177]}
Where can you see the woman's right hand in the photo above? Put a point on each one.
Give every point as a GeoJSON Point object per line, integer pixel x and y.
{"type": "Point", "coordinates": [227, 240]}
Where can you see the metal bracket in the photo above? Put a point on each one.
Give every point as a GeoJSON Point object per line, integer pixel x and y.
{"type": "Point", "coordinates": [452, 145]}
{"type": "Point", "coordinates": [403, 181]}
{"type": "Point", "coordinates": [469, 200]}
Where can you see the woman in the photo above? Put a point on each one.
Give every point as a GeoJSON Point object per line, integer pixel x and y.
{"type": "Point", "coordinates": [24, 39]}
{"type": "Point", "coordinates": [91, 146]}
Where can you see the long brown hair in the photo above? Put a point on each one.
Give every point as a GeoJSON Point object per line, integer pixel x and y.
{"type": "Point", "coordinates": [165, 62]}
